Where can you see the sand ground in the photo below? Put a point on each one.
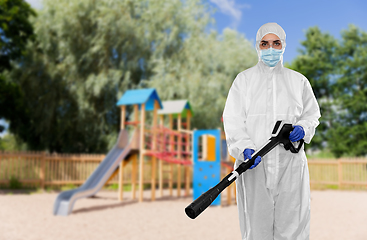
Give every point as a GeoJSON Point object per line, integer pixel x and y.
{"type": "Point", "coordinates": [334, 215]}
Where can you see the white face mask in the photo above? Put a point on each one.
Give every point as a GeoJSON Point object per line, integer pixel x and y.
{"type": "Point", "coordinates": [271, 56]}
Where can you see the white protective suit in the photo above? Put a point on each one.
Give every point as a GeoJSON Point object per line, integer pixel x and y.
{"type": "Point", "coordinates": [273, 198]}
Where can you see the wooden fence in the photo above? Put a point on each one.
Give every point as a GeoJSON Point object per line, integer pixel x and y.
{"type": "Point", "coordinates": [346, 173]}
{"type": "Point", "coordinates": [39, 169]}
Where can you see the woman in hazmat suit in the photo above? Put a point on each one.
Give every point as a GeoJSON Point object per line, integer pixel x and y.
{"type": "Point", "coordinates": [273, 197]}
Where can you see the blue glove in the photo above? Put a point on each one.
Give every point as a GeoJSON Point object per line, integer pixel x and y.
{"type": "Point", "coordinates": [247, 154]}
{"type": "Point", "coordinates": [297, 134]}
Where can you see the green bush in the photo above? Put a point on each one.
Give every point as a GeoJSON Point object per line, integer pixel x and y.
{"type": "Point", "coordinates": [14, 183]}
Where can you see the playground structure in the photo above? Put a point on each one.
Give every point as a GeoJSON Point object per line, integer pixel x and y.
{"type": "Point", "coordinates": [151, 140]}
{"type": "Point", "coordinates": [157, 141]}
{"type": "Point", "coordinates": [172, 144]}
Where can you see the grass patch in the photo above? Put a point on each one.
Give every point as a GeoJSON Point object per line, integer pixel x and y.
{"type": "Point", "coordinates": [146, 186]}
{"type": "Point", "coordinates": [68, 187]}
{"type": "Point", "coordinates": [115, 186]}
{"type": "Point", "coordinates": [333, 187]}
{"type": "Point", "coordinates": [324, 187]}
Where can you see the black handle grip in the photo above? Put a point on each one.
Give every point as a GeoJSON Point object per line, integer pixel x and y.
{"type": "Point", "coordinates": [296, 150]}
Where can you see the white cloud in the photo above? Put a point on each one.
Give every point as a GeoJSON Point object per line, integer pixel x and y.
{"type": "Point", "coordinates": [37, 4]}
{"type": "Point", "coordinates": [229, 7]}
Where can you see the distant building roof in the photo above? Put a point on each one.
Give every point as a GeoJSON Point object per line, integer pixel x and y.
{"type": "Point", "coordinates": [176, 107]}
{"type": "Point", "coordinates": [140, 96]}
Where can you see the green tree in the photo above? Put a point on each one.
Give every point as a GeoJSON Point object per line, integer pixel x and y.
{"type": "Point", "coordinates": [338, 75]}
{"type": "Point", "coordinates": [350, 132]}
{"type": "Point", "coordinates": [15, 31]}
{"type": "Point", "coordinates": [203, 72]}
{"type": "Point", "coordinates": [317, 61]}
{"type": "Point", "coordinates": [10, 143]}
{"type": "Point", "coordinates": [88, 53]}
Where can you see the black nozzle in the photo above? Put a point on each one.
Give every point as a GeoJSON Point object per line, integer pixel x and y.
{"type": "Point", "coordinates": [202, 202]}
{"type": "Point", "coordinates": [190, 212]}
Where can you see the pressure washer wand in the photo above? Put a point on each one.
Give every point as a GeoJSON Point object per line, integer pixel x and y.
{"type": "Point", "coordinates": [280, 135]}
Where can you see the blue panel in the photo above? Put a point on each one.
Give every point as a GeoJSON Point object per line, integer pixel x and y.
{"type": "Point", "coordinates": [206, 173]}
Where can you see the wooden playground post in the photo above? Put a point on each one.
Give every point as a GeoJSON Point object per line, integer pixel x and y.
{"type": "Point", "coordinates": [154, 148]}
{"type": "Point", "coordinates": [171, 148]}
{"type": "Point", "coordinates": [134, 167]}
{"type": "Point", "coordinates": [187, 168]}
{"type": "Point", "coordinates": [121, 181]}
{"type": "Point", "coordinates": [133, 175]}
{"type": "Point", "coordinates": [179, 155]}
{"type": "Point", "coordinates": [121, 169]}
{"type": "Point", "coordinates": [142, 152]}
{"type": "Point", "coordinates": [123, 116]}
{"type": "Point", "coordinates": [162, 148]}
{"type": "Point", "coordinates": [229, 191]}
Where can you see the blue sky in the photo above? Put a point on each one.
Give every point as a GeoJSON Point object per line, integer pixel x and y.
{"type": "Point", "coordinates": [294, 16]}
{"type": "Point", "coordinates": [6, 125]}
